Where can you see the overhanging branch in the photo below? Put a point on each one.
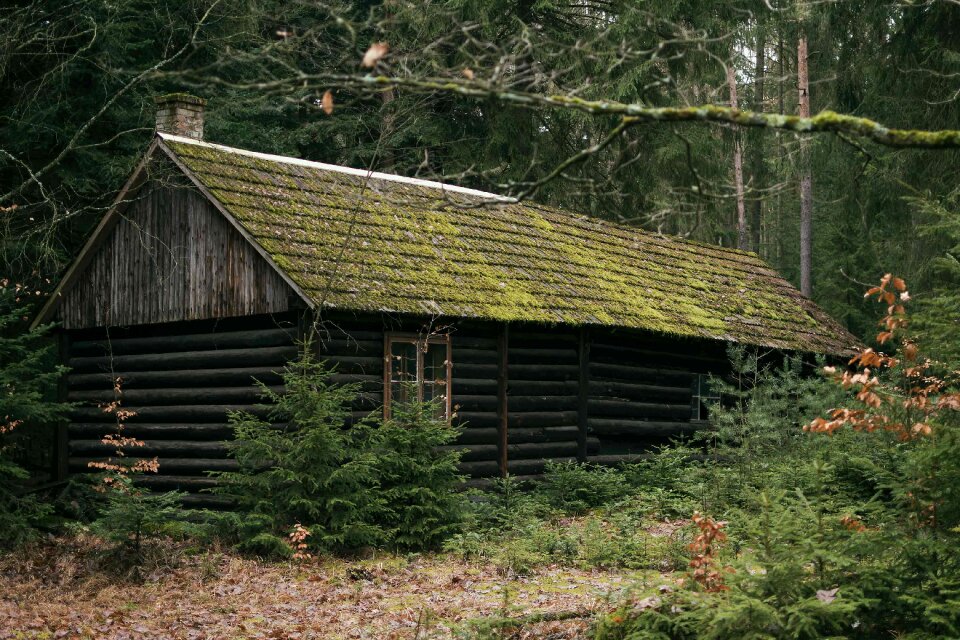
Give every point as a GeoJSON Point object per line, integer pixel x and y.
{"type": "Point", "coordinates": [823, 122]}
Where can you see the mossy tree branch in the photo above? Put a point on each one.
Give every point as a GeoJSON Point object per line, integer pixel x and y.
{"type": "Point", "coordinates": [823, 122]}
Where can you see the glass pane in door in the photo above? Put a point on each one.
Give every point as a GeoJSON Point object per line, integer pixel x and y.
{"type": "Point", "coordinates": [403, 371]}
{"type": "Point", "coordinates": [435, 376]}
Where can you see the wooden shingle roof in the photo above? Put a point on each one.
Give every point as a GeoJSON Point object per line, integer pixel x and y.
{"type": "Point", "coordinates": [364, 241]}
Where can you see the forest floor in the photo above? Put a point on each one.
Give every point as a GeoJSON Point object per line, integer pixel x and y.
{"type": "Point", "coordinates": [65, 588]}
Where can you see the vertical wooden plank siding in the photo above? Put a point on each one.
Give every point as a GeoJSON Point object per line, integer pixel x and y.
{"type": "Point", "coordinates": [583, 388]}
{"type": "Point", "coordinates": [503, 412]}
{"type": "Point", "coordinates": [171, 258]}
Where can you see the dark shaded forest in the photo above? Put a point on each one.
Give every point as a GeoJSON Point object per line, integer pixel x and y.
{"type": "Point", "coordinates": [817, 496]}
{"type": "Point", "coordinates": [78, 82]}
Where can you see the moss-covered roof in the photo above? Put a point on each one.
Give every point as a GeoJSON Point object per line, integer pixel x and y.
{"type": "Point", "coordinates": [380, 243]}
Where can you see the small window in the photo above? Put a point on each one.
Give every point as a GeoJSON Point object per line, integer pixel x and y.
{"type": "Point", "coordinates": [417, 368]}
{"type": "Point", "coordinates": [703, 397]}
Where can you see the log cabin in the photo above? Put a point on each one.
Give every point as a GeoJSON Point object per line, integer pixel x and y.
{"type": "Point", "coordinates": [547, 335]}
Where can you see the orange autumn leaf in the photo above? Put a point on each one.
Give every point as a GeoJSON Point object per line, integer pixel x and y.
{"type": "Point", "coordinates": [906, 405]}
{"type": "Point", "coordinates": [373, 55]}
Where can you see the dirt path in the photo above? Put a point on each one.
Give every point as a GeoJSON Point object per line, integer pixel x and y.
{"type": "Point", "coordinates": [55, 593]}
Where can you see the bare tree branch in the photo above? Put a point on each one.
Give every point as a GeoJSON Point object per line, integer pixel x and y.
{"type": "Point", "coordinates": [136, 80]}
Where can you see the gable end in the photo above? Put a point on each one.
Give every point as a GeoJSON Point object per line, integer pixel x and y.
{"type": "Point", "coordinates": [171, 256]}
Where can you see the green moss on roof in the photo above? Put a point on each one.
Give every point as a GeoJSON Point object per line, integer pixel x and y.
{"type": "Point", "coordinates": [179, 97]}
{"type": "Point", "coordinates": [380, 245]}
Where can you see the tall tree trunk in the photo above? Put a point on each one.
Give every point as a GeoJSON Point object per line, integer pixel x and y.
{"type": "Point", "coordinates": [759, 169]}
{"type": "Point", "coordinates": [737, 162]}
{"type": "Point", "coordinates": [806, 178]}
{"type": "Point", "coordinates": [781, 154]}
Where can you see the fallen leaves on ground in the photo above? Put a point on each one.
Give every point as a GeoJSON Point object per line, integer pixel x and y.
{"type": "Point", "coordinates": [58, 591]}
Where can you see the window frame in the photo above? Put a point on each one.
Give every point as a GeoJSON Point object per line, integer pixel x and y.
{"type": "Point", "coordinates": [697, 399]}
{"type": "Point", "coordinates": [420, 341]}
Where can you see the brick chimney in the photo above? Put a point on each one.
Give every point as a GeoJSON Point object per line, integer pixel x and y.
{"type": "Point", "coordinates": [180, 114]}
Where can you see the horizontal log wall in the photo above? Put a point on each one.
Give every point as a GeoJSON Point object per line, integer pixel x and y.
{"type": "Point", "coordinates": [640, 389]}
{"type": "Point", "coordinates": [474, 397]}
{"type": "Point", "coordinates": [353, 347]}
{"type": "Point", "coordinates": [180, 380]}
{"type": "Point", "coordinates": [543, 398]}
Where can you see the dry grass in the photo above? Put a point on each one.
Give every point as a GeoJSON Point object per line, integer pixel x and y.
{"type": "Point", "coordinates": [67, 588]}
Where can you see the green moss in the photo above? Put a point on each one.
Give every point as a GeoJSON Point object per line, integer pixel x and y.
{"type": "Point", "coordinates": [410, 249]}
{"type": "Point", "coordinates": [179, 97]}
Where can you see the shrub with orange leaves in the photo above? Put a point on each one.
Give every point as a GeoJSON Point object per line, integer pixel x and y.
{"type": "Point", "coordinates": [849, 536]}
{"type": "Point", "coordinates": [909, 397]}
{"type": "Point", "coordinates": [705, 548]}
{"type": "Point", "coordinates": [121, 465]}
{"type": "Point", "coordinates": [132, 514]}
{"type": "Point", "coordinates": [853, 524]}
{"type": "Point", "coordinates": [298, 542]}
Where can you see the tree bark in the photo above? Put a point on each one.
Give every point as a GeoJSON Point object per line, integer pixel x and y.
{"type": "Point", "coordinates": [737, 162]}
{"type": "Point", "coordinates": [759, 169]}
{"type": "Point", "coordinates": [781, 155]}
{"type": "Point", "coordinates": [806, 178]}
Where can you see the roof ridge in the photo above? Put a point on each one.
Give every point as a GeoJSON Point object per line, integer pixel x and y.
{"type": "Point", "coordinates": [573, 216]}
{"type": "Point", "coordinates": [363, 173]}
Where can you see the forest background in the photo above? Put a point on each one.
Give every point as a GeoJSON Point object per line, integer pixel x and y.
{"type": "Point", "coordinates": [625, 110]}
{"type": "Point", "coordinates": [77, 81]}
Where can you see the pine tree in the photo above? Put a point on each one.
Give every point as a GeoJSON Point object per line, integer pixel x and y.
{"type": "Point", "coordinates": [806, 175]}
{"type": "Point", "coordinates": [419, 479]}
{"type": "Point", "coordinates": [300, 465]}
{"type": "Point", "coordinates": [28, 380]}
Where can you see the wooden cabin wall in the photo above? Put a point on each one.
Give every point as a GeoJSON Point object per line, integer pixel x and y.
{"type": "Point", "coordinates": [563, 393]}
{"type": "Point", "coordinates": [353, 347]}
{"type": "Point", "coordinates": [354, 344]}
{"type": "Point", "coordinates": [474, 396]}
{"type": "Point", "coordinates": [171, 257]}
{"type": "Point", "coordinates": [543, 372]}
{"type": "Point", "coordinates": [179, 380]}
{"type": "Point", "coordinates": [538, 370]}
{"type": "Point", "coordinates": [637, 387]}
{"type": "Point", "coordinates": [641, 389]}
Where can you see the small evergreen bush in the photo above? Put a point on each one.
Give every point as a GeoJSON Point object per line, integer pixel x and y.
{"type": "Point", "coordinates": [504, 506]}
{"type": "Point", "coordinates": [418, 480]}
{"type": "Point", "coordinates": [28, 379]}
{"type": "Point", "coordinates": [20, 513]}
{"type": "Point", "coordinates": [133, 517]}
{"type": "Point", "coordinates": [575, 488]}
{"type": "Point", "coordinates": [367, 485]}
{"type": "Point", "coordinates": [665, 482]}
{"type": "Point", "coordinates": [312, 470]}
